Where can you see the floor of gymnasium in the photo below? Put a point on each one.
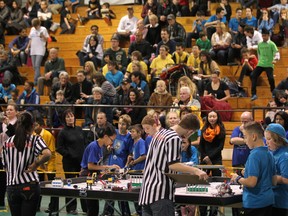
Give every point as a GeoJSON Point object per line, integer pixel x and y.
{"type": "Point", "coordinates": [45, 201]}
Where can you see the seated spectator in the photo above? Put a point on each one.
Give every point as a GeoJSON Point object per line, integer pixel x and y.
{"type": "Point", "coordinates": [171, 44]}
{"type": "Point", "coordinates": [160, 97]}
{"type": "Point", "coordinates": [234, 22]}
{"type": "Point", "coordinates": [270, 113]}
{"type": "Point", "coordinates": [249, 63]}
{"type": "Point", "coordinates": [44, 14]}
{"type": "Point", "coordinates": [194, 59]}
{"type": "Point", "coordinates": [30, 11]}
{"type": "Point", "coordinates": [4, 13]}
{"type": "Point", "coordinates": [180, 56]}
{"type": "Point", "coordinates": [214, 20]}
{"type": "Point", "coordinates": [253, 38]}
{"type": "Point", "coordinates": [114, 76]}
{"type": "Point", "coordinates": [220, 41]}
{"type": "Point", "coordinates": [172, 118]}
{"type": "Point", "coordinates": [176, 30]}
{"type": "Point", "coordinates": [135, 66]}
{"type": "Point", "coordinates": [265, 22]}
{"type": "Point", "coordinates": [227, 9]}
{"type": "Point", "coordinates": [250, 20]}
{"type": "Point", "coordinates": [54, 116]}
{"type": "Point", "coordinates": [5, 91]}
{"type": "Point", "coordinates": [29, 96]}
{"type": "Point", "coordinates": [198, 5]}
{"type": "Point", "coordinates": [281, 38]}
{"type": "Point", "coordinates": [207, 67]}
{"type": "Point", "coordinates": [106, 13]}
{"type": "Point", "coordinates": [92, 112]}
{"type": "Point", "coordinates": [160, 62]}
{"type": "Point", "coordinates": [215, 97]}
{"type": "Point", "coordinates": [94, 31]}
{"type": "Point", "coordinates": [53, 67]}
{"type": "Point", "coordinates": [63, 84]}
{"type": "Point", "coordinates": [141, 28]}
{"type": "Point", "coordinates": [216, 88]}
{"type": "Point", "coordinates": [117, 54]}
{"type": "Point", "coordinates": [122, 96]}
{"type": "Point", "coordinates": [197, 27]}
{"type": "Point", "coordinates": [153, 35]}
{"type": "Point", "coordinates": [14, 96]}
{"type": "Point", "coordinates": [276, 8]}
{"type": "Point", "coordinates": [93, 11]}
{"type": "Point", "coordinates": [109, 90]}
{"type": "Point", "coordinates": [137, 56]}
{"type": "Point", "coordinates": [106, 59]}
{"type": "Point", "coordinates": [134, 99]}
{"type": "Point", "coordinates": [139, 83]}
{"type": "Point", "coordinates": [186, 100]}
{"type": "Point", "coordinates": [17, 48]}
{"type": "Point", "coordinates": [15, 22]}
{"type": "Point", "coordinates": [141, 45]}
{"type": "Point", "coordinates": [89, 69]}
{"type": "Point", "coordinates": [281, 117]}
{"type": "Point", "coordinates": [184, 8]}
{"type": "Point", "coordinates": [94, 52]}
{"type": "Point", "coordinates": [247, 3]}
{"type": "Point", "coordinates": [55, 6]}
{"type": "Point", "coordinates": [163, 10]}
{"type": "Point", "coordinates": [281, 99]}
{"type": "Point", "coordinates": [282, 86]}
{"type": "Point", "coordinates": [67, 23]}
{"type": "Point", "coordinates": [8, 69]}
{"type": "Point", "coordinates": [203, 42]}
{"type": "Point", "coordinates": [148, 9]}
{"type": "Point", "coordinates": [185, 81]}
{"type": "Point", "coordinates": [127, 25]}
{"type": "Point", "coordinates": [238, 42]}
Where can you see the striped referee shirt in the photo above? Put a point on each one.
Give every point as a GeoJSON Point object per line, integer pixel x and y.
{"type": "Point", "coordinates": [16, 162]}
{"type": "Point", "coordinates": [164, 150]}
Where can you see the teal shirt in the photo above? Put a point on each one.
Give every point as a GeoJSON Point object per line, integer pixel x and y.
{"type": "Point", "coordinates": [266, 53]}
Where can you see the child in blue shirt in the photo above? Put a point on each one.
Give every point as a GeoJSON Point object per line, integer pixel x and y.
{"type": "Point", "coordinates": [259, 175]}
{"type": "Point", "coordinates": [139, 151]}
{"type": "Point", "coordinates": [277, 143]}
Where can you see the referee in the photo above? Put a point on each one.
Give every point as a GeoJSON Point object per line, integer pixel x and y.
{"type": "Point", "coordinates": [157, 192]}
{"type": "Point", "coordinates": [19, 157]}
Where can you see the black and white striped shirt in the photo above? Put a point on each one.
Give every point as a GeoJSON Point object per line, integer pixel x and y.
{"type": "Point", "coordinates": [16, 162]}
{"type": "Point", "coordinates": [164, 150]}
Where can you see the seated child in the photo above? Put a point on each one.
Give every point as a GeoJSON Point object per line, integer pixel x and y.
{"type": "Point", "coordinates": [249, 62]}
{"type": "Point", "coordinates": [203, 42]}
{"type": "Point", "coordinates": [106, 13]}
{"type": "Point", "coordinates": [5, 91]}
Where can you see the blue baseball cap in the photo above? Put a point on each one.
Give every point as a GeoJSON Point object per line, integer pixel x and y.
{"type": "Point", "coordinates": [277, 129]}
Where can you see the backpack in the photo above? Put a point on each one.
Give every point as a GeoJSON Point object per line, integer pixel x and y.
{"type": "Point", "coordinates": [235, 90]}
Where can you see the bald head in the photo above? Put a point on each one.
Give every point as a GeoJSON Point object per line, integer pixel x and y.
{"type": "Point", "coordinates": [246, 117]}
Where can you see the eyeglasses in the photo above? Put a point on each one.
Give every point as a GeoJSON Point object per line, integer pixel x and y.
{"type": "Point", "coordinates": [112, 140]}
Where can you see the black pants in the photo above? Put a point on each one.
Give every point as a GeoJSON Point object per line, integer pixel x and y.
{"type": "Point", "coordinates": [23, 199]}
{"type": "Point", "coordinates": [233, 54]}
{"type": "Point", "coordinates": [201, 7]}
{"type": "Point", "coordinates": [266, 211]}
{"type": "Point", "coordinates": [123, 205]}
{"type": "Point", "coordinates": [257, 72]}
{"type": "Point", "coordinates": [189, 37]}
{"type": "Point", "coordinates": [220, 56]}
{"type": "Point", "coordinates": [70, 165]}
{"type": "Point", "coordinates": [280, 211]}
{"type": "Point", "coordinates": [2, 184]}
{"type": "Point", "coordinates": [244, 71]}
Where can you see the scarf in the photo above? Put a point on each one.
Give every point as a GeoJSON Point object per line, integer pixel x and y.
{"type": "Point", "coordinates": [210, 133]}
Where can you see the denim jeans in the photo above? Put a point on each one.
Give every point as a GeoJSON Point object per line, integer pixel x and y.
{"type": "Point", "coordinates": [36, 62]}
{"type": "Point", "coordinates": [160, 207]}
{"type": "Point", "coordinates": [23, 199]}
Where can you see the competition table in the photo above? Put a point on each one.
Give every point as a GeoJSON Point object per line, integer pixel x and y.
{"type": "Point", "coordinates": [97, 192]}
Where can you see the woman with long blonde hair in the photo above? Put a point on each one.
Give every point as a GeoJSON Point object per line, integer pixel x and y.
{"type": "Point", "coordinates": [89, 69]}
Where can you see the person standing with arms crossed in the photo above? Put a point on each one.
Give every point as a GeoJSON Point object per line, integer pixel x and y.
{"type": "Point", "coordinates": [20, 160]}
{"type": "Point", "coordinates": [157, 192]}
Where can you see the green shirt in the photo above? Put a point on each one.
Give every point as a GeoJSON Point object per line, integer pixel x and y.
{"type": "Point", "coordinates": [204, 45]}
{"type": "Point", "coordinates": [266, 53]}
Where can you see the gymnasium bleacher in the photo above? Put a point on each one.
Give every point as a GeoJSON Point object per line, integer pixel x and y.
{"type": "Point", "coordinates": [69, 44]}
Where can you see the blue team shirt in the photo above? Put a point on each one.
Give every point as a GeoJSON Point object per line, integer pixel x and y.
{"type": "Point", "coordinates": [194, 157]}
{"type": "Point", "coordinates": [260, 164]}
{"type": "Point", "coordinates": [253, 22]}
{"type": "Point", "coordinates": [139, 149]}
{"type": "Point", "coordinates": [281, 190]}
{"type": "Point", "coordinates": [122, 146]}
{"type": "Point", "coordinates": [92, 154]}
{"type": "Point", "coordinates": [234, 23]}
{"type": "Point", "coordinates": [148, 141]}
{"type": "Point", "coordinates": [199, 28]}
{"type": "Point", "coordinates": [240, 152]}
{"type": "Point", "coordinates": [214, 18]}
{"type": "Point", "coordinates": [114, 79]}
